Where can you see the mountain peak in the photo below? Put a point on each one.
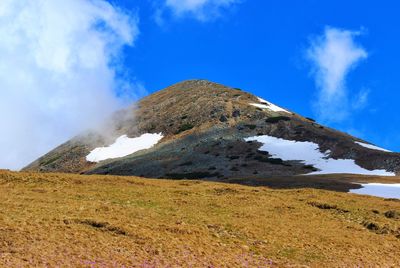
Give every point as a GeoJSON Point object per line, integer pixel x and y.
{"type": "Point", "coordinates": [196, 82]}
{"type": "Point", "coordinates": [201, 129]}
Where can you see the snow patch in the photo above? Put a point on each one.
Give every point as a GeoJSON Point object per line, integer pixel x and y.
{"type": "Point", "coordinates": [379, 189]}
{"type": "Point", "coordinates": [309, 154]}
{"type": "Point", "coordinates": [373, 147]}
{"type": "Point", "coordinates": [262, 106]}
{"type": "Point", "coordinates": [268, 105]}
{"type": "Point", "coordinates": [124, 146]}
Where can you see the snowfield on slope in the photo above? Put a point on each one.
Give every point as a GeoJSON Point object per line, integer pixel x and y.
{"type": "Point", "coordinates": [124, 146]}
{"type": "Point", "coordinates": [268, 105]}
{"type": "Point", "coordinates": [379, 189]}
{"type": "Point", "coordinates": [373, 147]}
{"type": "Point", "coordinates": [309, 154]}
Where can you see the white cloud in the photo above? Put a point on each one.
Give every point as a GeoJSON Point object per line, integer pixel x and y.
{"type": "Point", "coordinates": [361, 99]}
{"type": "Point", "coordinates": [333, 55]}
{"type": "Point", "coordinates": [202, 10]}
{"type": "Point", "coordinates": [57, 71]}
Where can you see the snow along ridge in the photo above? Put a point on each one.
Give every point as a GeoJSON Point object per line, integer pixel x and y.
{"type": "Point", "coordinates": [310, 154]}
{"type": "Point", "coordinates": [268, 105]}
{"type": "Point", "coordinates": [373, 147]}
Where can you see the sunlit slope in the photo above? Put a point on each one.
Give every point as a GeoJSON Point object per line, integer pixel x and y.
{"type": "Point", "coordinates": [101, 221]}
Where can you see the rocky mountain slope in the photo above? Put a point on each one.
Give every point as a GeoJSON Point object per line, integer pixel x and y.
{"type": "Point", "coordinates": [201, 129]}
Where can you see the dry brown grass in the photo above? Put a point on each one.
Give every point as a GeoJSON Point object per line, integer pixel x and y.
{"type": "Point", "coordinates": [107, 221]}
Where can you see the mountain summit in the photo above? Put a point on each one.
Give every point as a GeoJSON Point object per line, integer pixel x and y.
{"type": "Point", "coordinates": [201, 129]}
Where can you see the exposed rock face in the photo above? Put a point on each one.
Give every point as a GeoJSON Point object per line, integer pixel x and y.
{"type": "Point", "coordinates": [204, 126]}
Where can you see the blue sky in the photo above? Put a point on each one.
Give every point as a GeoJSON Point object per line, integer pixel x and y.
{"type": "Point", "coordinates": [260, 46]}
{"type": "Point", "coordinates": [67, 65]}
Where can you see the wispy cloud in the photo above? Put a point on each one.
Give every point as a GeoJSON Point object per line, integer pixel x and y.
{"type": "Point", "coordinates": [360, 100]}
{"type": "Point", "coordinates": [333, 55]}
{"type": "Point", "coordinates": [58, 71]}
{"type": "Point", "coordinates": [202, 10]}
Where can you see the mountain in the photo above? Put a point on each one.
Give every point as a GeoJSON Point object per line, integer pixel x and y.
{"type": "Point", "coordinates": [200, 129]}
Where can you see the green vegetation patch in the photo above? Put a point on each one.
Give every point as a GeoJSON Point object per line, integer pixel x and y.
{"type": "Point", "coordinates": [277, 119]}
{"type": "Point", "coordinates": [274, 161]}
{"type": "Point", "coordinates": [185, 127]}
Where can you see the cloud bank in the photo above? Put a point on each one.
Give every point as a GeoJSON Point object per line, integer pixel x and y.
{"type": "Point", "coordinates": [58, 62]}
{"type": "Point", "coordinates": [333, 55]}
{"type": "Point", "coordinates": [202, 10]}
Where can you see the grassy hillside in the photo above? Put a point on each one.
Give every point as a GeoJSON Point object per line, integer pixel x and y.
{"type": "Point", "coordinates": [108, 221]}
